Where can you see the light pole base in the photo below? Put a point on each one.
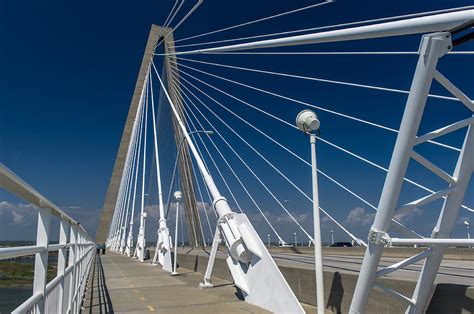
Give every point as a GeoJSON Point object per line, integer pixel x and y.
{"type": "Point", "coordinates": [174, 273]}
{"type": "Point", "coordinates": [206, 284]}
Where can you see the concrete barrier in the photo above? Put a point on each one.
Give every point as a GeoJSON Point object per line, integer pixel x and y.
{"type": "Point", "coordinates": [339, 287]}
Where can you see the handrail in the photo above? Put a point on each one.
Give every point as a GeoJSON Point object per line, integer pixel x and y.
{"type": "Point", "coordinates": [18, 251]}
{"type": "Point", "coordinates": [55, 295]}
{"type": "Point", "coordinates": [418, 25]}
{"type": "Point", "coordinates": [28, 304]}
{"type": "Point", "coordinates": [14, 184]}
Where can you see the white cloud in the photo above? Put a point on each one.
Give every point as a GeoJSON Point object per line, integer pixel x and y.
{"type": "Point", "coordinates": [19, 214]}
{"type": "Point", "coordinates": [408, 215]}
{"type": "Point", "coordinates": [359, 216]}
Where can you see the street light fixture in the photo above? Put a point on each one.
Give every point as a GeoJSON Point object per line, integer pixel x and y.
{"type": "Point", "coordinates": [178, 196]}
{"type": "Point", "coordinates": [307, 121]}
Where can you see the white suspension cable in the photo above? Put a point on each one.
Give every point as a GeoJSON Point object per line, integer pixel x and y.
{"type": "Point", "coordinates": [228, 165]}
{"type": "Point", "coordinates": [194, 8]}
{"type": "Point", "coordinates": [256, 21]}
{"type": "Point", "coordinates": [312, 106]}
{"type": "Point", "coordinates": [130, 179]}
{"type": "Point", "coordinates": [323, 140]}
{"type": "Point", "coordinates": [166, 23]}
{"type": "Point", "coordinates": [313, 53]}
{"type": "Point", "coordinates": [385, 19]}
{"type": "Point", "coordinates": [187, 126]}
{"type": "Point", "coordinates": [142, 200]}
{"type": "Point", "coordinates": [204, 207]}
{"type": "Point", "coordinates": [258, 179]}
{"type": "Point", "coordinates": [248, 167]}
{"type": "Point", "coordinates": [309, 78]}
{"type": "Point", "coordinates": [210, 156]}
{"type": "Point", "coordinates": [327, 53]}
{"type": "Point", "coordinates": [291, 152]}
{"type": "Point", "coordinates": [140, 111]}
{"type": "Point", "coordinates": [193, 169]}
{"type": "Point", "coordinates": [157, 160]}
{"type": "Point", "coordinates": [169, 22]}
{"type": "Point", "coordinates": [234, 173]}
{"type": "Point", "coordinates": [121, 204]}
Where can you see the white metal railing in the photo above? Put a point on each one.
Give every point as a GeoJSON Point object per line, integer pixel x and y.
{"type": "Point", "coordinates": [64, 293]}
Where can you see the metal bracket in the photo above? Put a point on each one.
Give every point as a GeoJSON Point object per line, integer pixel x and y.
{"type": "Point", "coordinates": [378, 237]}
{"type": "Point", "coordinates": [206, 282]}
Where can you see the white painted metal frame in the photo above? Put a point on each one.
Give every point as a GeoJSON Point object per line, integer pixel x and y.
{"type": "Point", "coordinates": [64, 293]}
{"type": "Point", "coordinates": [433, 47]}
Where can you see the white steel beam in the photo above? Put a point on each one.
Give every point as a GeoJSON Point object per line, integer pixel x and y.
{"type": "Point", "coordinates": [390, 269]}
{"type": "Point", "coordinates": [422, 201]}
{"type": "Point", "coordinates": [432, 47]}
{"type": "Point", "coordinates": [419, 25]}
{"type": "Point", "coordinates": [454, 90]}
{"type": "Point", "coordinates": [433, 241]}
{"type": "Point", "coordinates": [444, 130]}
{"type": "Point", "coordinates": [445, 224]}
{"type": "Point", "coordinates": [432, 167]}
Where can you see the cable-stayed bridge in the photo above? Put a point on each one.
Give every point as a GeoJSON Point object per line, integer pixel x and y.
{"type": "Point", "coordinates": [211, 156]}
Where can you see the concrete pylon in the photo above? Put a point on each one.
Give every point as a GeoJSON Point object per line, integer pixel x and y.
{"type": "Point", "coordinates": [112, 191]}
{"type": "Point", "coordinates": [184, 161]}
{"type": "Point", "coordinates": [157, 33]}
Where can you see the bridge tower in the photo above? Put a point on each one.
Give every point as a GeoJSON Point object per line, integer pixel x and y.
{"type": "Point", "coordinates": [157, 33]}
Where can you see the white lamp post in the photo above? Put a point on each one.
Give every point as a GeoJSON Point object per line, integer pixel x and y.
{"type": "Point", "coordinates": [307, 121]}
{"type": "Point", "coordinates": [268, 239]}
{"type": "Point", "coordinates": [296, 241]}
{"type": "Point", "coordinates": [332, 237]}
{"type": "Point", "coordinates": [178, 196]}
{"type": "Point", "coordinates": [467, 228]}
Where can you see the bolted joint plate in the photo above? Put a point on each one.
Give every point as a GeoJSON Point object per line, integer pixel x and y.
{"type": "Point", "coordinates": [378, 237]}
{"type": "Point", "coordinates": [426, 45]}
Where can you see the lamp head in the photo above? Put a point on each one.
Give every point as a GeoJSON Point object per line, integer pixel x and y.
{"type": "Point", "coordinates": [466, 223]}
{"type": "Point", "coordinates": [307, 121]}
{"type": "Point", "coordinates": [209, 132]}
{"type": "Point", "coordinates": [178, 195]}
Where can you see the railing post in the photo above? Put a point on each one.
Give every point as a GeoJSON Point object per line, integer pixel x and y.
{"type": "Point", "coordinates": [79, 272]}
{"type": "Point", "coordinates": [72, 261]}
{"type": "Point", "coordinates": [63, 235]}
{"type": "Point", "coordinates": [41, 259]}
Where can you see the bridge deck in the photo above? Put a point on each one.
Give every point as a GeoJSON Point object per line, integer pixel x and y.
{"type": "Point", "coordinates": [121, 284]}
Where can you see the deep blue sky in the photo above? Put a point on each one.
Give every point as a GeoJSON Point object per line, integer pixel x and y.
{"type": "Point", "coordinates": [68, 71]}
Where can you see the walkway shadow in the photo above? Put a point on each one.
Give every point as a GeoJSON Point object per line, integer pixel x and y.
{"type": "Point", "coordinates": [99, 290]}
{"type": "Point", "coordinates": [450, 298]}
{"type": "Point", "coordinates": [336, 294]}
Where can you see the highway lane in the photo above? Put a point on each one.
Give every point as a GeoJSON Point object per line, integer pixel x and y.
{"type": "Point", "coordinates": [451, 271]}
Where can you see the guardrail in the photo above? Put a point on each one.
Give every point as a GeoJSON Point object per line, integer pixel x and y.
{"type": "Point", "coordinates": [64, 293]}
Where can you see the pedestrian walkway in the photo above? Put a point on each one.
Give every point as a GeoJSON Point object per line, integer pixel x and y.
{"type": "Point", "coordinates": [119, 284]}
